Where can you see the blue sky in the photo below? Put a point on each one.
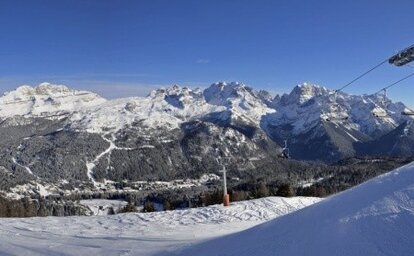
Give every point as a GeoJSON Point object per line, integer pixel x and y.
{"type": "Point", "coordinates": [126, 48]}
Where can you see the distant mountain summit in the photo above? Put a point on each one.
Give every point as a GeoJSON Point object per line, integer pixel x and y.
{"type": "Point", "coordinates": [46, 100]}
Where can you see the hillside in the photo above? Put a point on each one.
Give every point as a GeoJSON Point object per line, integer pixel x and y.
{"type": "Point", "coordinates": [374, 218]}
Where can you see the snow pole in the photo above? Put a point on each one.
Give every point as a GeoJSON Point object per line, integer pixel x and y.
{"type": "Point", "coordinates": [226, 197]}
{"type": "Point", "coordinates": [226, 200]}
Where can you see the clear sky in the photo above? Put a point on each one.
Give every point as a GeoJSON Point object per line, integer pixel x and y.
{"type": "Point", "coordinates": [126, 48]}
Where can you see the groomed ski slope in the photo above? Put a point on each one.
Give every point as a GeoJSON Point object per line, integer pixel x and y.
{"type": "Point", "coordinates": [374, 218]}
{"type": "Point", "coordinates": [138, 233]}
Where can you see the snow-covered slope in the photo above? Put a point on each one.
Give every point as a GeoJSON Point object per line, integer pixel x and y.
{"type": "Point", "coordinates": [374, 218]}
{"type": "Point", "coordinates": [140, 233]}
{"type": "Point", "coordinates": [46, 100]}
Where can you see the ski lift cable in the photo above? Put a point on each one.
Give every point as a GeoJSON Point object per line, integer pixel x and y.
{"type": "Point", "coordinates": [362, 75]}
{"type": "Point", "coordinates": [395, 83]}
{"type": "Point", "coordinates": [403, 58]}
{"type": "Point", "coordinates": [384, 90]}
{"type": "Point", "coordinates": [391, 60]}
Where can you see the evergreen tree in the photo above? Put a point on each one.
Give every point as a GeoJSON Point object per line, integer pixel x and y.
{"type": "Point", "coordinates": [149, 207]}
{"type": "Point", "coordinates": [262, 191]}
{"type": "Point", "coordinates": [285, 190]}
{"type": "Point", "coordinates": [111, 210]}
{"type": "Point", "coordinates": [130, 207]}
{"type": "Point", "coordinates": [168, 206]}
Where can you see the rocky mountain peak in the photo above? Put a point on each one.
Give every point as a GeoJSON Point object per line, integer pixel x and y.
{"type": "Point", "coordinates": [44, 89]}
{"type": "Point", "coordinates": [177, 96]}
{"type": "Point", "coordinates": [222, 92]}
{"type": "Point", "coordinates": [174, 90]}
{"type": "Point", "coordinates": [50, 89]}
{"type": "Point", "coordinates": [304, 92]}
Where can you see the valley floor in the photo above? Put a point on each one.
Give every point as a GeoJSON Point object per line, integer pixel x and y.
{"type": "Point", "coordinates": [138, 233]}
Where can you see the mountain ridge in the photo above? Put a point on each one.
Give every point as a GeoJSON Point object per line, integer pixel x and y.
{"type": "Point", "coordinates": [309, 112]}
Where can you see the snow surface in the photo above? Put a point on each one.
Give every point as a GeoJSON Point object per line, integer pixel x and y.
{"type": "Point", "coordinates": [139, 233]}
{"type": "Point", "coordinates": [374, 218]}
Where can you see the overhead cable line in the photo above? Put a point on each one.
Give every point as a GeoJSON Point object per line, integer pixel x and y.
{"type": "Point", "coordinates": [410, 112]}
{"type": "Point", "coordinates": [362, 75]}
{"type": "Point", "coordinates": [397, 82]}
{"type": "Point", "coordinates": [348, 84]}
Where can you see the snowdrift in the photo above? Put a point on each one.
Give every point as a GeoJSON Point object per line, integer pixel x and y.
{"type": "Point", "coordinates": [138, 233]}
{"type": "Point", "coordinates": [374, 218]}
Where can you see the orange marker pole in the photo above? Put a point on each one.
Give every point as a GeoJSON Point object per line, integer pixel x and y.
{"type": "Point", "coordinates": [226, 200]}
{"type": "Point", "coordinates": [226, 197]}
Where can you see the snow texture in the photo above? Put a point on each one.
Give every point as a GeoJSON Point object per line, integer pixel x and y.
{"type": "Point", "coordinates": [374, 218]}
{"type": "Point", "coordinates": [139, 233]}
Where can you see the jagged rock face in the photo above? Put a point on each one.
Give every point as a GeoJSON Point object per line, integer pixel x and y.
{"type": "Point", "coordinates": [54, 133]}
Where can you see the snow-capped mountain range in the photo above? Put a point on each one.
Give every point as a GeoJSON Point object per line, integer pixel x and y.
{"type": "Point", "coordinates": [181, 132]}
{"type": "Point", "coordinates": [302, 109]}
